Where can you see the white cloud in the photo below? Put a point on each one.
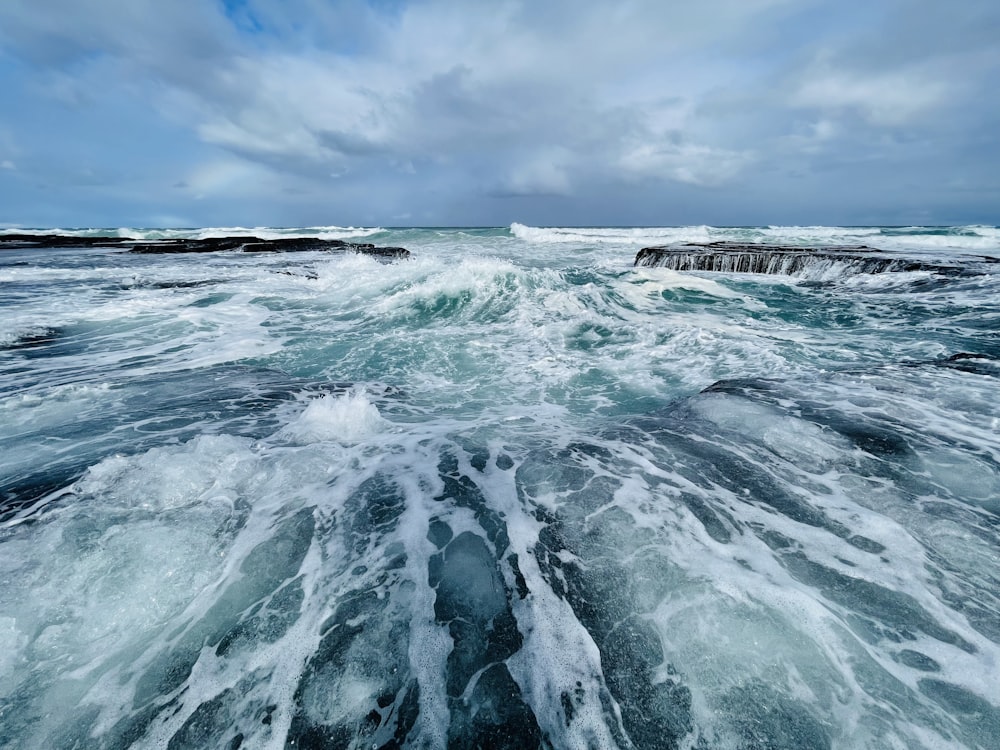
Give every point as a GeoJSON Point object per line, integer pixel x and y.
{"type": "Point", "coordinates": [462, 103]}
{"type": "Point", "coordinates": [434, 80]}
{"type": "Point", "coordinates": [308, 108]}
{"type": "Point", "coordinates": [883, 98]}
{"type": "Point", "coordinates": [7, 164]}
{"type": "Point", "coordinates": [683, 162]}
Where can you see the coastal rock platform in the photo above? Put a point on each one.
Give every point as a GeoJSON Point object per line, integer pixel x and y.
{"type": "Point", "coordinates": [244, 244]}
{"type": "Point", "coordinates": [734, 257]}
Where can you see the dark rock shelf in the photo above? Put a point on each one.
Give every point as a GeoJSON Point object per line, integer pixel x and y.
{"type": "Point", "coordinates": [209, 245]}
{"type": "Point", "coordinates": [733, 257]}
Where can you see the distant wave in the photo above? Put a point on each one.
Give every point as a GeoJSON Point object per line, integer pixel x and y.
{"type": "Point", "coordinates": [627, 235]}
{"type": "Point", "coordinates": [136, 233]}
{"type": "Point", "coordinates": [979, 239]}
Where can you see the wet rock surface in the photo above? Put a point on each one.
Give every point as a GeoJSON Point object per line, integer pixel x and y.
{"type": "Point", "coordinates": [203, 245]}
{"type": "Point", "coordinates": [734, 257]}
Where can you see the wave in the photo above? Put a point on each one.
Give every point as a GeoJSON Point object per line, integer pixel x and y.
{"type": "Point", "coordinates": [592, 506]}
{"type": "Point", "coordinates": [615, 235]}
{"type": "Point", "coordinates": [269, 233]}
{"type": "Point", "coordinates": [332, 232]}
{"type": "Point", "coordinates": [972, 238]}
{"type": "Point", "coordinates": [979, 239]}
{"type": "Point", "coordinates": [819, 233]}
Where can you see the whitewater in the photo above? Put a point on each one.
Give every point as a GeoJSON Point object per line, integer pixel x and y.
{"type": "Point", "coordinates": [509, 492]}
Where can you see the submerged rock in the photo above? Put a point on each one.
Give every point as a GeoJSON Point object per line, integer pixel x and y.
{"type": "Point", "coordinates": [734, 257]}
{"type": "Point", "coordinates": [204, 245]}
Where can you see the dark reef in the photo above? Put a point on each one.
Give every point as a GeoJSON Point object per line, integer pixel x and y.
{"type": "Point", "coordinates": [206, 245]}
{"type": "Point", "coordinates": [735, 257]}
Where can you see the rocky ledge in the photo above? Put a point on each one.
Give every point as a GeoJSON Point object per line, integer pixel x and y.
{"type": "Point", "coordinates": [734, 257]}
{"type": "Point", "coordinates": [207, 245]}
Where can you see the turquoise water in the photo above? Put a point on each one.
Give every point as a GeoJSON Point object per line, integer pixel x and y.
{"type": "Point", "coordinates": [511, 492]}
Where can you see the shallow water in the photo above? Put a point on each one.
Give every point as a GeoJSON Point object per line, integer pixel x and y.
{"type": "Point", "coordinates": [511, 492]}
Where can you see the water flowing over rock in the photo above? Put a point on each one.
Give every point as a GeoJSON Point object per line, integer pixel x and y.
{"type": "Point", "coordinates": [732, 257]}
{"type": "Point", "coordinates": [203, 245]}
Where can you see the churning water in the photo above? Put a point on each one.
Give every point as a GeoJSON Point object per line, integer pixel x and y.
{"type": "Point", "coordinates": [509, 493]}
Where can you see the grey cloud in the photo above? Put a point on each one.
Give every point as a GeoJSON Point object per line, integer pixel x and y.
{"type": "Point", "coordinates": [563, 101]}
{"type": "Point", "coordinates": [435, 86]}
{"type": "Point", "coordinates": [163, 36]}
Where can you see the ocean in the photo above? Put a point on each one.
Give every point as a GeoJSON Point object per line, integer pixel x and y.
{"type": "Point", "coordinates": [509, 492]}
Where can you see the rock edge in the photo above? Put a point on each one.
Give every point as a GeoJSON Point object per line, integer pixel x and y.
{"type": "Point", "coordinates": [207, 245]}
{"type": "Point", "coordinates": [735, 257]}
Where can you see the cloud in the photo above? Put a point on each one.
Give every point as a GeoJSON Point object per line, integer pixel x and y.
{"type": "Point", "coordinates": [433, 104]}
{"type": "Point", "coordinates": [512, 90]}
{"type": "Point", "coordinates": [177, 38]}
{"type": "Point", "coordinates": [544, 173]}
{"type": "Point", "coordinates": [230, 177]}
{"type": "Point", "coordinates": [884, 98]}
{"type": "Point", "coordinates": [688, 163]}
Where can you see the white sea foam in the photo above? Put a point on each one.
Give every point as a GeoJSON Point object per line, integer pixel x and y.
{"type": "Point", "coordinates": [821, 233]}
{"type": "Point", "coordinates": [16, 331]}
{"type": "Point", "coordinates": [211, 472]}
{"type": "Point", "coordinates": [622, 236]}
{"type": "Point", "coordinates": [647, 284]}
{"type": "Point", "coordinates": [478, 282]}
{"type": "Point", "coordinates": [105, 570]}
{"type": "Point", "coordinates": [983, 244]}
{"type": "Point", "coordinates": [137, 233]}
{"type": "Point", "coordinates": [350, 418]}
{"type": "Point", "coordinates": [69, 232]}
{"type": "Point", "coordinates": [983, 240]}
{"type": "Point", "coordinates": [53, 405]}
{"type": "Point", "coordinates": [269, 233]}
{"type": "Point", "coordinates": [355, 279]}
{"type": "Point", "coordinates": [549, 397]}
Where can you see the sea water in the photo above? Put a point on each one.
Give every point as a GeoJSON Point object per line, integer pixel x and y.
{"type": "Point", "coordinates": [511, 492]}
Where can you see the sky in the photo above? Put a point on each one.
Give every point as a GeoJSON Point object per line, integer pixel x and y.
{"type": "Point", "coordinates": [460, 113]}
